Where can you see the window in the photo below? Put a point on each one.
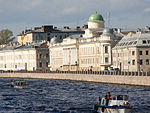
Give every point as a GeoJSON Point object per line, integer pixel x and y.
{"type": "Point", "coordinates": [47, 55]}
{"type": "Point", "coordinates": [133, 62]}
{"type": "Point", "coordinates": [135, 42]}
{"type": "Point", "coordinates": [141, 62]}
{"type": "Point", "coordinates": [126, 43]}
{"type": "Point", "coordinates": [40, 64]}
{"type": "Point", "coordinates": [46, 64]}
{"type": "Point", "coordinates": [123, 44]}
{"type": "Point", "coordinates": [147, 61]}
{"type": "Point", "coordinates": [144, 41]}
{"type": "Point", "coordinates": [130, 43]}
{"type": "Point", "coordinates": [40, 55]}
{"type": "Point", "coordinates": [133, 52]}
{"type": "Point", "coordinates": [60, 37]}
{"type": "Point", "coordinates": [106, 49]}
{"type": "Point", "coordinates": [128, 62]}
{"type": "Point", "coordinates": [48, 39]}
{"type": "Point", "coordinates": [147, 52]}
{"type": "Point", "coordinates": [106, 59]}
{"type": "Point", "coordinates": [140, 52]}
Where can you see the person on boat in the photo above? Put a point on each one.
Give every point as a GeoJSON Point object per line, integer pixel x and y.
{"type": "Point", "coordinates": [108, 97]}
{"type": "Point", "coordinates": [126, 104]}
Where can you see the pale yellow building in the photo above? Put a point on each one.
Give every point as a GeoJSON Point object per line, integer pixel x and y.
{"type": "Point", "coordinates": [46, 33]}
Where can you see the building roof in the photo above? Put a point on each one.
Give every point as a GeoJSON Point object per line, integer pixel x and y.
{"type": "Point", "coordinates": [54, 30]}
{"type": "Point", "coordinates": [95, 17]}
{"type": "Point", "coordinates": [108, 32]}
{"type": "Point", "coordinates": [134, 40]}
{"type": "Point", "coordinates": [55, 40]}
{"type": "Point", "coordinates": [19, 47]}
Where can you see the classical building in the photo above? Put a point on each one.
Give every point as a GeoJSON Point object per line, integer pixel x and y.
{"type": "Point", "coordinates": [90, 51]}
{"type": "Point", "coordinates": [46, 33]}
{"type": "Point", "coordinates": [132, 53]}
{"type": "Point", "coordinates": [29, 57]}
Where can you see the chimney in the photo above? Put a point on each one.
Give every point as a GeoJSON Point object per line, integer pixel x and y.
{"type": "Point", "coordinates": [47, 28]}
{"type": "Point", "coordinates": [55, 27]}
{"type": "Point", "coordinates": [66, 27]}
{"type": "Point", "coordinates": [43, 41]}
{"type": "Point", "coordinates": [119, 30]}
{"type": "Point", "coordinates": [147, 28]}
{"type": "Point", "coordinates": [85, 26]}
{"type": "Point", "coordinates": [78, 27]}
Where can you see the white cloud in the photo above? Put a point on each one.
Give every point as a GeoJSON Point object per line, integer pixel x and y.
{"type": "Point", "coordinates": [21, 5]}
{"type": "Point", "coordinates": [25, 5]}
{"type": "Point", "coordinates": [69, 10]}
{"type": "Point", "coordinates": [38, 12]}
{"type": "Point", "coordinates": [36, 3]}
{"type": "Point", "coordinates": [147, 10]}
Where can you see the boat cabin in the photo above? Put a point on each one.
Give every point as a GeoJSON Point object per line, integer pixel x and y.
{"type": "Point", "coordinates": [118, 100]}
{"type": "Point", "coordinates": [120, 97]}
{"type": "Point", "coordinates": [19, 84]}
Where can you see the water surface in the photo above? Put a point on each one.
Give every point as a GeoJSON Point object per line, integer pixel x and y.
{"type": "Point", "coordinates": [60, 96]}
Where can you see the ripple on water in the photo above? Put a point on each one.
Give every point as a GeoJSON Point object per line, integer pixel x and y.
{"type": "Point", "coordinates": [60, 96]}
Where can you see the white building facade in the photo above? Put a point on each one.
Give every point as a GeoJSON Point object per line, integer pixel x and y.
{"type": "Point", "coordinates": [24, 57]}
{"type": "Point", "coordinates": [132, 53]}
{"type": "Point", "coordinates": [90, 51]}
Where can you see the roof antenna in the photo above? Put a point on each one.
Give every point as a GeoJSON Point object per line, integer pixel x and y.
{"type": "Point", "coordinates": [108, 19]}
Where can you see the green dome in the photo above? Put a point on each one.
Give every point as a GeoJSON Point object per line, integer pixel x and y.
{"type": "Point", "coordinates": [95, 17]}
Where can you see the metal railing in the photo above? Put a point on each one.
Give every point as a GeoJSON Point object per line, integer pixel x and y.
{"type": "Point", "coordinates": [117, 73]}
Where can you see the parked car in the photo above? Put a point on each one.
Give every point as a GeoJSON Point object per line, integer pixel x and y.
{"type": "Point", "coordinates": [116, 69]}
{"type": "Point", "coordinates": [111, 69]}
{"type": "Point", "coordinates": [106, 70]}
{"type": "Point", "coordinates": [1, 71]}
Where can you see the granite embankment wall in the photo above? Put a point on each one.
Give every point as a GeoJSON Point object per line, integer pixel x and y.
{"type": "Point", "coordinates": [113, 79]}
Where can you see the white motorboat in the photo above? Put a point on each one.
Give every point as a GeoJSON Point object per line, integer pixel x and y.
{"type": "Point", "coordinates": [19, 84]}
{"type": "Point", "coordinates": [117, 104]}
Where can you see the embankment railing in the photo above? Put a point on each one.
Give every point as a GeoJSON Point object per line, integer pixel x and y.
{"type": "Point", "coordinates": [117, 73]}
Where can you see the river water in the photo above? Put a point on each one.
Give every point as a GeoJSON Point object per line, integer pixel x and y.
{"type": "Point", "coordinates": [60, 96]}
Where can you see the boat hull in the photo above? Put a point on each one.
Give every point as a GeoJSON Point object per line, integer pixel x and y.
{"type": "Point", "coordinates": [114, 110]}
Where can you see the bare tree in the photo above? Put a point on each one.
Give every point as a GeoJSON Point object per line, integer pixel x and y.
{"type": "Point", "coordinates": [6, 36]}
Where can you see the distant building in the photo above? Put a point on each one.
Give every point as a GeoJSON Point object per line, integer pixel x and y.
{"type": "Point", "coordinates": [132, 53]}
{"type": "Point", "coordinates": [34, 56]}
{"type": "Point", "coordinates": [46, 33]}
{"type": "Point", "coordinates": [90, 51]}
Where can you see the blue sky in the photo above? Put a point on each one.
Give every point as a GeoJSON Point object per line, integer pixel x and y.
{"type": "Point", "coordinates": [17, 15]}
